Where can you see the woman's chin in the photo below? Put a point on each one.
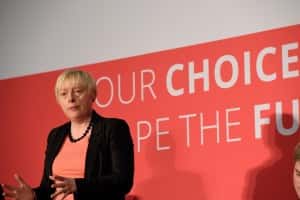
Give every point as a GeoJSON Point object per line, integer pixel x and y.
{"type": "Point", "coordinates": [73, 115]}
{"type": "Point", "coordinates": [298, 193]}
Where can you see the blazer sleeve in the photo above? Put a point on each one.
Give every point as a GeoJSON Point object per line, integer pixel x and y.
{"type": "Point", "coordinates": [43, 191]}
{"type": "Point", "coordinates": [120, 180]}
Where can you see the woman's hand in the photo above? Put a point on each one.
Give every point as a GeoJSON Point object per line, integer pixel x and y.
{"type": "Point", "coordinates": [63, 186]}
{"type": "Point", "coordinates": [21, 192]}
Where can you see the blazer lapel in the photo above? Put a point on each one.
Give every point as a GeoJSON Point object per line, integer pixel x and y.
{"type": "Point", "coordinates": [93, 147]}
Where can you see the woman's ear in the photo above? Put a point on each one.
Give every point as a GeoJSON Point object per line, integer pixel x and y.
{"type": "Point", "coordinates": [93, 97]}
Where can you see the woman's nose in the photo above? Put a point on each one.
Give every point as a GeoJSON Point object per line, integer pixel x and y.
{"type": "Point", "coordinates": [70, 97]}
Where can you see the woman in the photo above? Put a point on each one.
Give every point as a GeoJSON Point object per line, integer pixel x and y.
{"type": "Point", "coordinates": [296, 170]}
{"type": "Point", "coordinates": [89, 157]}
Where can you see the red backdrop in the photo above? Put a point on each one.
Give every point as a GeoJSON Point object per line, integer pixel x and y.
{"type": "Point", "coordinates": [211, 121]}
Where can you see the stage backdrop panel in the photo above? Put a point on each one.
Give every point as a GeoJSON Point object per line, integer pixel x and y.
{"type": "Point", "coordinates": [213, 121]}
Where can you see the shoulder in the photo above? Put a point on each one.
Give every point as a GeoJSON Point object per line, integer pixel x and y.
{"type": "Point", "coordinates": [117, 130]}
{"type": "Point", "coordinates": [114, 125]}
{"type": "Point", "coordinates": [58, 131]}
{"type": "Point", "coordinates": [114, 121]}
{"type": "Point", "coordinates": [108, 121]}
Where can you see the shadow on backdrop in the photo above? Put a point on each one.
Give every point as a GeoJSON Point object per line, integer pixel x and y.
{"type": "Point", "coordinates": [167, 182]}
{"type": "Point", "coordinates": [273, 179]}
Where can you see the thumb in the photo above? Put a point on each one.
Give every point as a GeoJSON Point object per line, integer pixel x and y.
{"type": "Point", "coordinates": [20, 180]}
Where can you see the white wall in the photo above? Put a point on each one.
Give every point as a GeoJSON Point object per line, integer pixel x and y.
{"type": "Point", "coordinates": [38, 36]}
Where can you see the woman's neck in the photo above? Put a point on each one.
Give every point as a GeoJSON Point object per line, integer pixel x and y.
{"type": "Point", "coordinates": [78, 126]}
{"type": "Point", "coordinates": [81, 121]}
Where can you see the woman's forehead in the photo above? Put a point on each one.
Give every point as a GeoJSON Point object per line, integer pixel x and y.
{"type": "Point", "coordinates": [72, 83]}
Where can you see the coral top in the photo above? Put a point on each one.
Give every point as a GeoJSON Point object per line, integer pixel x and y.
{"type": "Point", "coordinates": [70, 161]}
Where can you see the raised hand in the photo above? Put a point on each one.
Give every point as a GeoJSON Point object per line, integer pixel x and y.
{"type": "Point", "coordinates": [21, 192]}
{"type": "Point", "coordinates": [64, 186]}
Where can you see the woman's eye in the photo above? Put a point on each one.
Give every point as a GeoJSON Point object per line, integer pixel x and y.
{"type": "Point", "coordinates": [78, 91]}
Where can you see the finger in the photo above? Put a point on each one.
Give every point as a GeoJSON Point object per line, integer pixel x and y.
{"type": "Point", "coordinates": [57, 178]}
{"type": "Point", "coordinates": [65, 195]}
{"type": "Point", "coordinates": [51, 178]}
{"type": "Point", "coordinates": [55, 194]}
{"type": "Point", "coordinates": [20, 180]}
{"type": "Point", "coordinates": [9, 187]}
{"type": "Point", "coordinates": [58, 185]}
{"type": "Point", "coordinates": [10, 194]}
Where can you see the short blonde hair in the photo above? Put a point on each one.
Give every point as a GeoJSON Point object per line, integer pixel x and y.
{"type": "Point", "coordinates": [78, 76]}
{"type": "Point", "coordinates": [297, 152]}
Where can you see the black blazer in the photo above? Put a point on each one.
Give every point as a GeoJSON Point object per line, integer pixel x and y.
{"type": "Point", "coordinates": [109, 165]}
{"type": "Point", "coordinates": [1, 191]}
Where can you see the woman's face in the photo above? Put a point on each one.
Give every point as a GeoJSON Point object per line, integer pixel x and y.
{"type": "Point", "coordinates": [75, 100]}
{"type": "Point", "coordinates": [296, 177]}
